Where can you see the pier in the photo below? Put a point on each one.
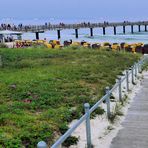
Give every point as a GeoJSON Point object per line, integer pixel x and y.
{"type": "Point", "coordinates": [37, 29]}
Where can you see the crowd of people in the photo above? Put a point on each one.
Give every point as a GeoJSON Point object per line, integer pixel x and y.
{"type": "Point", "coordinates": [9, 26]}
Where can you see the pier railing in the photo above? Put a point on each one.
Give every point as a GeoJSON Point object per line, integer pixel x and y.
{"type": "Point", "coordinates": [40, 28]}
{"type": "Point", "coordinates": [37, 29]}
{"type": "Point", "coordinates": [129, 77]}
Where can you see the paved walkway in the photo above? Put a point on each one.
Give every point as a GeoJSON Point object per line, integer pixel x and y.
{"type": "Point", "coordinates": [135, 126]}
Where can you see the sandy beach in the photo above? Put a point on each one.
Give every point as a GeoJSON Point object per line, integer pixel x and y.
{"type": "Point", "coordinates": [102, 130]}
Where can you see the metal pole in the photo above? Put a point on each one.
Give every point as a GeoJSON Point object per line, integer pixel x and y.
{"type": "Point", "coordinates": [127, 80]}
{"type": "Point", "coordinates": [108, 102]}
{"type": "Point", "coordinates": [140, 70]}
{"type": "Point", "coordinates": [135, 69]}
{"type": "Point", "coordinates": [120, 89]}
{"type": "Point", "coordinates": [133, 75]}
{"type": "Point", "coordinates": [142, 63]}
{"type": "Point", "coordinates": [138, 64]}
{"type": "Point", "coordinates": [42, 144]}
{"type": "Point", "coordinates": [88, 130]}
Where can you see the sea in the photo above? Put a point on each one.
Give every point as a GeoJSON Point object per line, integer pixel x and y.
{"type": "Point", "coordinates": [84, 34]}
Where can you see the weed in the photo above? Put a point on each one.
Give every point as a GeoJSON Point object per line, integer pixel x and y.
{"type": "Point", "coordinates": [42, 90]}
{"type": "Point", "coordinates": [117, 112]}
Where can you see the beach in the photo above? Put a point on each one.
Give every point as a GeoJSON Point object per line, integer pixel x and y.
{"type": "Point", "coordinates": [84, 34]}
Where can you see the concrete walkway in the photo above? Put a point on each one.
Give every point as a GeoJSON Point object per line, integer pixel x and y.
{"type": "Point", "coordinates": [134, 133]}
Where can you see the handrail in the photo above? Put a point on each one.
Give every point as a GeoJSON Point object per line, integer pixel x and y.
{"type": "Point", "coordinates": [86, 117]}
{"type": "Point", "coordinates": [114, 87]}
{"type": "Point", "coordinates": [98, 103]}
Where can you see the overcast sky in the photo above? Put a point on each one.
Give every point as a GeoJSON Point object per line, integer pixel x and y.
{"type": "Point", "coordinates": [75, 9]}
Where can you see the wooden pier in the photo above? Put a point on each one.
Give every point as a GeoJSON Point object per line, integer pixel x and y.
{"type": "Point", "coordinates": [43, 28]}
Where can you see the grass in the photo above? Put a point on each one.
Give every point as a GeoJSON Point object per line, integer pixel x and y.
{"type": "Point", "coordinates": [43, 90]}
{"type": "Point", "coordinates": [118, 109]}
{"type": "Point", "coordinates": [116, 113]}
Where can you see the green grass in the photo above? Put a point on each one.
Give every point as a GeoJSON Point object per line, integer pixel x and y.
{"type": "Point", "coordinates": [56, 84]}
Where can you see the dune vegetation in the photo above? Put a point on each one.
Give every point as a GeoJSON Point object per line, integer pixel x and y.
{"type": "Point", "coordinates": [42, 90]}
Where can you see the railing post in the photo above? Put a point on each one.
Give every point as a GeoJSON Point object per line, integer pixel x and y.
{"type": "Point", "coordinates": [135, 69]}
{"type": "Point", "coordinates": [138, 67]}
{"type": "Point", "coordinates": [120, 89]}
{"type": "Point", "coordinates": [108, 101]}
{"type": "Point", "coordinates": [133, 75]}
{"type": "Point", "coordinates": [88, 130]}
{"type": "Point", "coordinates": [127, 80]}
{"type": "Point", "coordinates": [42, 144]}
{"type": "Point", "coordinates": [141, 64]}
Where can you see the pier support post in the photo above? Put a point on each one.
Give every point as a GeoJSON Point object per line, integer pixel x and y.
{"type": "Point", "coordinates": [76, 33]}
{"type": "Point", "coordinates": [139, 28]}
{"type": "Point", "coordinates": [145, 28]}
{"type": "Point", "coordinates": [115, 32]}
{"type": "Point", "coordinates": [59, 34]}
{"type": "Point", "coordinates": [91, 32]}
{"type": "Point", "coordinates": [37, 35]}
{"type": "Point", "coordinates": [104, 31]}
{"type": "Point", "coordinates": [123, 29]}
{"type": "Point", "coordinates": [132, 29]}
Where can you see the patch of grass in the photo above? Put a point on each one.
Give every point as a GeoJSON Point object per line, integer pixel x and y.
{"type": "Point", "coordinates": [43, 89]}
{"type": "Point", "coordinates": [117, 111]}
{"type": "Point", "coordinates": [125, 100]}
{"type": "Point", "coordinates": [109, 128]}
{"type": "Point", "coordinates": [70, 141]}
{"type": "Point", "coordinates": [98, 111]}
{"type": "Point", "coordinates": [145, 66]}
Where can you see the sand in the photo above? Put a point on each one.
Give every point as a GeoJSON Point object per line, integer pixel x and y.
{"type": "Point", "coordinates": [102, 130]}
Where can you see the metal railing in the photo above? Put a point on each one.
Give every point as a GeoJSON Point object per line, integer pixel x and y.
{"type": "Point", "coordinates": [133, 72]}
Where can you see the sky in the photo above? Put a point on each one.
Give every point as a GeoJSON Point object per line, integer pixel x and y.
{"type": "Point", "coordinates": [113, 10]}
